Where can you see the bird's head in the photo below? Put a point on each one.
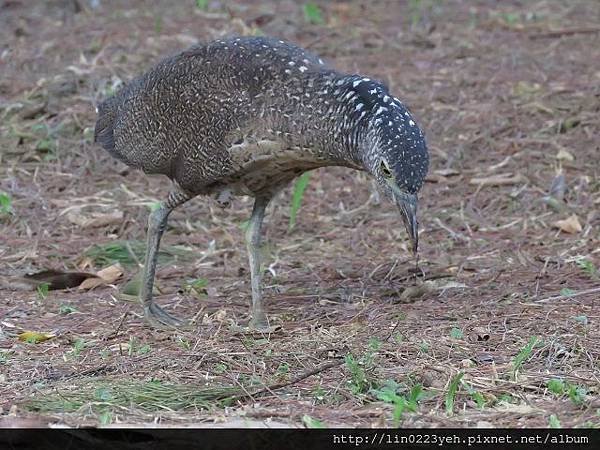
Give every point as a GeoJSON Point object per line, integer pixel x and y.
{"type": "Point", "coordinates": [394, 152]}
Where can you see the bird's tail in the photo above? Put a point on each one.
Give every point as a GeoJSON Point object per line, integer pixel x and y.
{"type": "Point", "coordinates": [104, 133]}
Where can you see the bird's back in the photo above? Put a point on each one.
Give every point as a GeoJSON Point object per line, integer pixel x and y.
{"type": "Point", "coordinates": [179, 117]}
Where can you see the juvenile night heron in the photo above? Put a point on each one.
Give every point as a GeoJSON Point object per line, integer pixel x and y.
{"type": "Point", "coordinates": [247, 115]}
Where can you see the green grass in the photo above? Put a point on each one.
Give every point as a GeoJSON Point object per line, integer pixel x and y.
{"type": "Point", "coordinates": [553, 422]}
{"type": "Point", "coordinates": [522, 356]}
{"type": "Point", "coordinates": [313, 14]}
{"type": "Point", "coordinates": [456, 333]}
{"type": "Point", "coordinates": [42, 290]}
{"type": "Point", "coordinates": [311, 422]}
{"type": "Point", "coordinates": [298, 194]}
{"type": "Point", "coordinates": [588, 268]}
{"type": "Point", "coordinates": [149, 396]}
{"type": "Point", "coordinates": [66, 309]}
{"type": "Point", "coordinates": [202, 4]}
{"type": "Point", "coordinates": [452, 391]}
{"type": "Point", "coordinates": [576, 393]}
{"type": "Point", "coordinates": [129, 253]}
{"type": "Point", "coordinates": [5, 204]}
{"type": "Point", "coordinates": [408, 401]}
{"type": "Point", "coordinates": [360, 368]}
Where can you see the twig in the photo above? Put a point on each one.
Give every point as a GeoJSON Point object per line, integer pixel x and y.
{"type": "Point", "coordinates": [297, 379]}
{"type": "Point", "coordinates": [563, 297]}
{"type": "Point", "coordinates": [565, 32]}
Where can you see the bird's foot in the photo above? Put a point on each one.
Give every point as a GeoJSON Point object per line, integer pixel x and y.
{"type": "Point", "coordinates": [258, 324]}
{"type": "Point", "coordinates": [158, 317]}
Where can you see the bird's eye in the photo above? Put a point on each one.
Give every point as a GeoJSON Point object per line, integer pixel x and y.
{"type": "Point", "coordinates": [385, 170]}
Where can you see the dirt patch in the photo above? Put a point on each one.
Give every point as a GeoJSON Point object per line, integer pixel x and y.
{"type": "Point", "coordinates": [504, 329]}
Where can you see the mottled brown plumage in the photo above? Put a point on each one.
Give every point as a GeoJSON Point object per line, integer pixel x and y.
{"type": "Point", "coordinates": [245, 116]}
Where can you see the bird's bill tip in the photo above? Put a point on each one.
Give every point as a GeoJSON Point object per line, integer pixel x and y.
{"type": "Point", "coordinates": [407, 204]}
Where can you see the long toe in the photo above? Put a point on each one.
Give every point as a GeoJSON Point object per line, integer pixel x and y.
{"type": "Point", "coordinates": [158, 317]}
{"type": "Point", "coordinates": [260, 324]}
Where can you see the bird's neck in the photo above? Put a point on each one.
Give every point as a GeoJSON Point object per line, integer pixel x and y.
{"type": "Point", "coordinates": [323, 118]}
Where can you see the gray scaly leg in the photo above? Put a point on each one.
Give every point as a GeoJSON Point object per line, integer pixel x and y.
{"type": "Point", "coordinates": [258, 319]}
{"type": "Point", "coordinates": [157, 222]}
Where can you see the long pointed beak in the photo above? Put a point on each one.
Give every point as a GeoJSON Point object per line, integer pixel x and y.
{"type": "Point", "coordinates": [407, 204]}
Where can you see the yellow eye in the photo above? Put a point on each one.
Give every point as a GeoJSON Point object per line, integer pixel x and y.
{"type": "Point", "coordinates": [385, 170]}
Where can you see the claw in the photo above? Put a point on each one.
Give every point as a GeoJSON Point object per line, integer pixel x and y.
{"type": "Point", "coordinates": [158, 316]}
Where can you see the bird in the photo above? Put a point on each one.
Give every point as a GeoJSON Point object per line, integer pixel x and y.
{"type": "Point", "coordinates": [246, 115]}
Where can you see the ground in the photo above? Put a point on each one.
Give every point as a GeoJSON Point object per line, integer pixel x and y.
{"type": "Point", "coordinates": [500, 325]}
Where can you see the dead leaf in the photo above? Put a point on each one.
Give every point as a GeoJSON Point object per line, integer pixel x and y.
{"type": "Point", "coordinates": [95, 220]}
{"type": "Point", "coordinates": [107, 275]}
{"type": "Point", "coordinates": [564, 155]}
{"type": "Point", "coordinates": [498, 180]}
{"type": "Point", "coordinates": [570, 225]}
{"type": "Point", "coordinates": [33, 337]}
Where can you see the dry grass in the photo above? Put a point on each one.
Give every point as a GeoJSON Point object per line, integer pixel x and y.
{"type": "Point", "coordinates": [506, 307]}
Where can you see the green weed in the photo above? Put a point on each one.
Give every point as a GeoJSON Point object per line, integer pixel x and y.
{"type": "Point", "coordinates": [577, 394]}
{"type": "Point", "coordinates": [312, 14]}
{"type": "Point", "coordinates": [456, 333]}
{"type": "Point", "coordinates": [390, 393]}
{"type": "Point", "coordinates": [149, 396]}
{"type": "Point", "coordinates": [452, 391]}
{"type": "Point", "coordinates": [553, 422]}
{"type": "Point", "coordinates": [311, 422]}
{"type": "Point", "coordinates": [522, 356]}
{"type": "Point", "coordinates": [202, 4]}
{"type": "Point", "coordinates": [66, 309]}
{"type": "Point", "coordinates": [297, 196]}
{"type": "Point", "coordinates": [6, 208]}
{"type": "Point", "coordinates": [128, 253]}
{"type": "Point", "coordinates": [42, 290]}
{"type": "Point", "coordinates": [78, 347]}
{"type": "Point", "coordinates": [588, 267]}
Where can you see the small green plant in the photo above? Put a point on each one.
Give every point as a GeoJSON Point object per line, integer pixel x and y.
{"type": "Point", "coordinates": [298, 194]}
{"type": "Point", "coordinates": [42, 291]}
{"type": "Point", "coordinates": [567, 292]}
{"type": "Point", "coordinates": [389, 393]}
{"type": "Point", "coordinates": [424, 347]}
{"type": "Point", "coordinates": [588, 267]}
{"type": "Point", "coordinates": [452, 391]}
{"type": "Point", "coordinates": [553, 421]}
{"type": "Point", "coordinates": [477, 396]}
{"type": "Point", "coordinates": [78, 346]}
{"type": "Point", "coordinates": [5, 204]}
{"type": "Point", "coordinates": [456, 333]}
{"type": "Point", "coordinates": [359, 382]}
{"type": "Point", "coordinates": [311, 422]}
{"type": "Point", "coordinates": [220, 368]}
{"type": "Point", "coordinates": [576, 393]}
{"type": "Point", "coordinates": [312, 14]}
{"type": "Point", "coordinates": [202, 4]}
{"type": "Point", "coordinates": [129, 253]}
{"type": "Point", "coordinates": [184, 343]}
{"type": "Point", "coordinates": [3, 358]}
{"type": "Point", "coordinates": [198, 287]}
{"type": "Point", "coordinates": [105, 417]}
{"type": "Point", "coordinates": [522, 356]}
{"type": "Point", "coordinates": [66, 309]}
{"type": "Point", "coordinates": [283, 369]}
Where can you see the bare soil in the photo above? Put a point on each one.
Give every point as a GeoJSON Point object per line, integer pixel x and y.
{"type": "Point", "coordinates": [508, 94]}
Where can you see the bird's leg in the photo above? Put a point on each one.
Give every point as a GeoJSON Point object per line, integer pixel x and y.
{"type": "Point", "coordinates": [258, 319]}
{"type": "Point", "coordinates": [157, 222]}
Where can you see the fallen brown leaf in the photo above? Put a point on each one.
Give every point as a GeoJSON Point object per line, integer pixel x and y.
{"type": "Point", "coordinates": [95, 220]}
{"type": "Point", "coordinates": [570, 225]}
{"type": "Point", "coordinates": [107, 275]}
